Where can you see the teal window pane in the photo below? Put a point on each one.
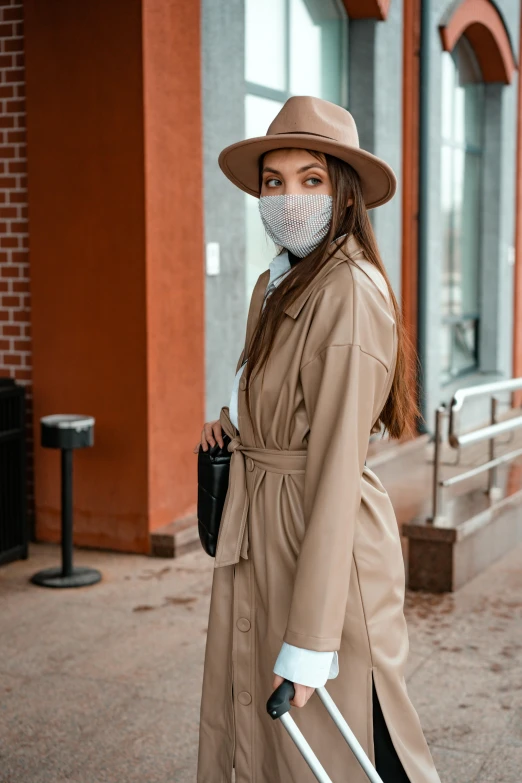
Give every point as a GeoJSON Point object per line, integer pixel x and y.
{"type": "Point", "coordinates": [266, 43]}
{"type": "Point", "coordinates": [259, 113]}
{"type": "Point", "coordinates": [317, 32]}
{"type": "Point", "coordinates": [463, 101]}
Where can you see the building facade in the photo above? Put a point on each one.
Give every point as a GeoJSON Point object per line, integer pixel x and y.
{"type": "Point", "coordinates": [127, 258]}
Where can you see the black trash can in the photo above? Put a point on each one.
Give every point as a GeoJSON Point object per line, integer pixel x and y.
{"type": "Point", "coordinates": [67, 432]}
{"type": "Point", "coordinates": [14, 534]}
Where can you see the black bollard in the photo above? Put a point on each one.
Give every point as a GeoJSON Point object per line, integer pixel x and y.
{"type": "Point", "coordinates": [67, 432]}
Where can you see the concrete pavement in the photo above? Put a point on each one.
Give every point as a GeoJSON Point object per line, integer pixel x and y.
{"type": "Point", "coordinates": [102, 684]}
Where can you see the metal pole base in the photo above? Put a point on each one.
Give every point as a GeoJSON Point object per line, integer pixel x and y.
{"type": "Point", "coordinates": [53, 577]}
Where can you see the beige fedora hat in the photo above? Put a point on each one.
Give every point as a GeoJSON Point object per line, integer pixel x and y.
{"type": "Point", "coordinates": [313, 123]}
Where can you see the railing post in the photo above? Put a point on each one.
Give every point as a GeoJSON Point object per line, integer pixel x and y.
{"type": "Point", "coordinates": [494, 491]}
{"type": "Point", "coordinates": [438, 490]}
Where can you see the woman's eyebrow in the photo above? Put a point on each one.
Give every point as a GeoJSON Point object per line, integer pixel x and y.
{"type": "Point", "coordinates": [299, 171]}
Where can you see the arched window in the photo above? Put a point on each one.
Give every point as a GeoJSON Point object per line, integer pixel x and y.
{"type": "Point", "coordinates": [463, 101]}
{"type": "Point", "coordinates": [292, 47]}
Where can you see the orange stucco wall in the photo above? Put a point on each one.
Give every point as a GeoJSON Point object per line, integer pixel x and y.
{"type": "Point", "coordinates": [174, 237]}
{"type": "Point", "coordinates": [108, 319]}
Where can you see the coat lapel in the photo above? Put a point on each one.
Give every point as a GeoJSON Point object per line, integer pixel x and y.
{"type": "Point", "coordinates": [349, 245]}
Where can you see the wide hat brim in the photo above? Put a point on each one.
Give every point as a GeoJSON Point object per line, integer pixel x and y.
{"type": "Point", "coordinates": [240, 163]}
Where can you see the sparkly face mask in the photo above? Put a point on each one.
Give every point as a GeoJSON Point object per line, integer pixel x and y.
{"type": "Point", "coordinates": [297, 222]}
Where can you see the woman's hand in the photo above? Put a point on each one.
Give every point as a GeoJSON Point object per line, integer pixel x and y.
{"type": "Point", "coordinates": [302, 692]}
{"type": "Point", "coordinates": [209, 434]}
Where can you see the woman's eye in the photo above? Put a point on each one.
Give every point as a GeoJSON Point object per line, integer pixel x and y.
{"type": "Point", "coordinates": [314, 178]}
{"type": "Point", "coordinates": [268, 181]}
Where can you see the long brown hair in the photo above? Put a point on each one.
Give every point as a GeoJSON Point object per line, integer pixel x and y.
{"type": "Point", "coordinates": [401, 412]}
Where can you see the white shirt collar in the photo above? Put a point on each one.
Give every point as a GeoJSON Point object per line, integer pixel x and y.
{"type": "Point", "coordinates": [280, 264]}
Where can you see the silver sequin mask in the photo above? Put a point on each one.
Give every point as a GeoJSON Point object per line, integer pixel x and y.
{"type": "Point", "coordinates": [297, 222]}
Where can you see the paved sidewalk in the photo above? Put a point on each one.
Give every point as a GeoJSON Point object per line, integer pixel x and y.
{"type": "Point", "coordinates": [102, 684]}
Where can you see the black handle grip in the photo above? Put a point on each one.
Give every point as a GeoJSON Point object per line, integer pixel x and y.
{"type": "Point", "coordinates": [279, 701]}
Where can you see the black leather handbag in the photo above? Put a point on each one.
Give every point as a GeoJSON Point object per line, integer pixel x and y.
{"type": "Point", "coordinates": [213, 473]}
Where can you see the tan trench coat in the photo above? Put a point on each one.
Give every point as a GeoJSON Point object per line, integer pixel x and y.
{"type": "Point", "coordinates": [309, 549]}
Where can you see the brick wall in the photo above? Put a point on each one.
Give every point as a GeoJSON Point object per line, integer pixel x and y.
{"type": "Point", "coordinates": [15, 302]}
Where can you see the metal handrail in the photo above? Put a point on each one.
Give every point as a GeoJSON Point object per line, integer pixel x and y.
{"type": "Point", "coordinates": [457, 440]}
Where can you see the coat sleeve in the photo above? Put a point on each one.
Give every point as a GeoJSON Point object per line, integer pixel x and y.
{"type": "Point", "coordinates": [342, 387]}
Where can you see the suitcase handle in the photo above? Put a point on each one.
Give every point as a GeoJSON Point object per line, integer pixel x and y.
{"type": "Point", "coordinates": [279, 701]}
{"type": "Point", "coordinates": [278, 705]}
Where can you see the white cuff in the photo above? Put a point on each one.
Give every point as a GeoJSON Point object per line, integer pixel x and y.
{"type": "Point", "coordinates": [306, 667]}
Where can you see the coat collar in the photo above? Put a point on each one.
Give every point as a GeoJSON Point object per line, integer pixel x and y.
{"type": "Point", "coordinates": [350, 245]}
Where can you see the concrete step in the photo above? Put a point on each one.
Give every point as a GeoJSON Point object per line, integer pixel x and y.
{"type": "Point", "coordinates": [175, 539]}
{"type": "Point", "coordinates": [475, 529]}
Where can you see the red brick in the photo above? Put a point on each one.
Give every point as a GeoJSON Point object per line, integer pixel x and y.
{"type": "Point", "coordinates": [10, 330]}
{"type": "Point", "coordinates": [6, 121]}
{"type": "Point", "coordinates": [24, 375]}
{"type": "Point", "coordinates": [9, 271]}
{"type": "Point", "coordinates": [15, 106]}
{"type": "Point", "coordinates": [22, 181]}
{"type": "Point", "coordinates": [19, 30]}
{"type": "Point", "coordinates": [16, 137]}
{"type": "Point", "coordinates": [19, 228]}
{"type": "Point", "coordinates": [20, 257]}
{"type": "Point", "coordinates": [7, 30]}
{"type": "Point", "coordinates": [15, 75]}
{"type": "Point", "coordinates": [7, 182]}
{"type": "Point", "coordinates": [5, 345]}
{"type": "Point", "coordinates": [3, 228]}
{"type": "Point", "coordinates": [17, 167]}
{"type": "Point", "coordinates": [7, 91]}
{"type": "Point", "coordinates": [20, 316]}
{"type": "Point", "coordinates": [11, 301]}
{"type": "Point", "coordinates": [8, 212]}
{"type": "Point", "coordinates": [14, 45]}
{"type": "Point", "coordinates": [4, 286]}
{"type": "Point", "coordinates": [20, 90]}
{"type": "Point", "coordinates": [12, 360]}
{"type": "Point", "coordinates": [7, 60]}
{"type": "Point", "coordinates": [7, 151]}
{"type": "Point", "coordinates": [8, 241]}
{"type": "Point", "coordinates": [15, 14]}
{"type": "Point", "coordinates": [21, 286]}
{"type": "Point", "coordinates": [17, 197]}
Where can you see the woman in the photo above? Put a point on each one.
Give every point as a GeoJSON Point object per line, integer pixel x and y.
{"type": "Point", "coordinates": [309, 578]}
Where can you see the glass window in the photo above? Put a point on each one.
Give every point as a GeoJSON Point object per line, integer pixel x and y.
{"type": "Point", "coordinates": [461, 185]}
{"type": "Point", "coordinates": [265, 42]}
{"type": "Point", "coordinates": [292, 47]}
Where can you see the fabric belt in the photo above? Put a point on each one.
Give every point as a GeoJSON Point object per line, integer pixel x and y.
{"type": "Point", "coordinates": [233, 531]}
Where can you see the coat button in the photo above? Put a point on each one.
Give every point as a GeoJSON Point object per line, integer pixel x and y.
{"type": "Point", "coordinates": [244, 698]}
{"type": "Point", "coordinates": [250, 463]}
{"type": "Point", "coordinates": [243, 624]}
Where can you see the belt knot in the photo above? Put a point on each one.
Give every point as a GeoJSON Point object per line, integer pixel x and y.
{"type": "Point", "coordinates": [233, 530]}
{"type": "Point", "coordinates": [235, 444]}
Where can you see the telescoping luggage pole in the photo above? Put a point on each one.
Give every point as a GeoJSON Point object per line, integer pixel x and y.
{"type": "Point", "coordinates": [278, 706]}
